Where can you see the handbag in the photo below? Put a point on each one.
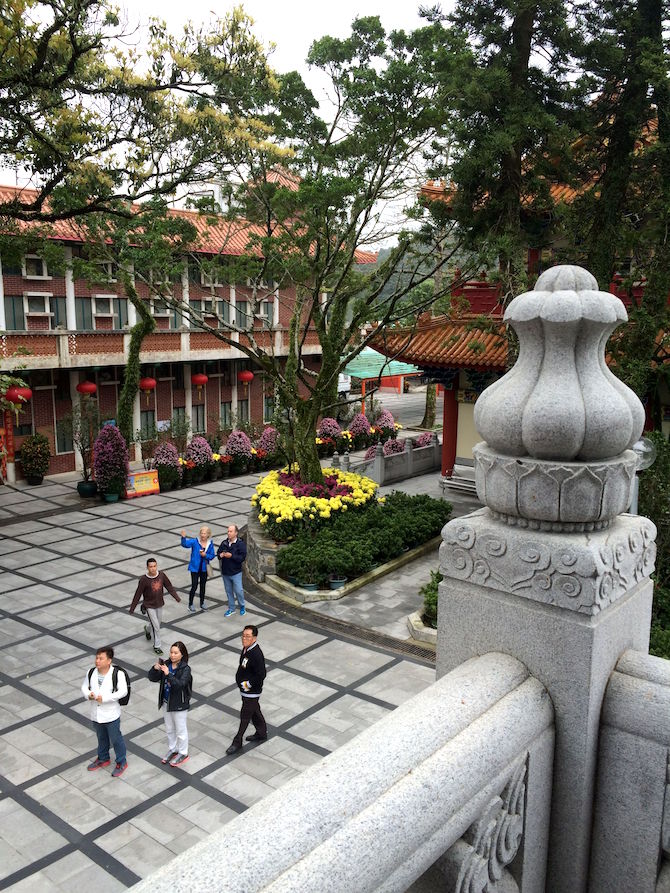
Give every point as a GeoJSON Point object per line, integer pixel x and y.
{"type": "Point", "coordinates": [210, 572]}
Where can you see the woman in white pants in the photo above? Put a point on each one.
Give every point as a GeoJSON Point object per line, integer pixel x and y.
{"type": "Point", "coordinates": [174, 695]}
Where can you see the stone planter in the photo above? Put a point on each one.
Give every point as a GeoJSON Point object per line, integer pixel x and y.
{"type": "Point", "coordinates": [419, 631]}
{"type": "Point", "coordinates": [111, 497]}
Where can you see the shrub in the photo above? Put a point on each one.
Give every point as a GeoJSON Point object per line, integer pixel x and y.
{"type": "Point", "coordinates": [429, 593]}
{"type": "Point", "coordinates": [371, 452]}
{"type": "Point", "coordinates": [34, 456]}
{"type": "Point", "coordinates": [166, 454]}
{"type": "Point", "coordinates": [329, 428]}
{"type": "Point", "coordinates": [385, 420]}
{"type": "Point", "coordinates": [359, 425]}
{"type": "Point", "coordinates": [110, 460]}
{"type": "Point", "coordinates": [238, 445]}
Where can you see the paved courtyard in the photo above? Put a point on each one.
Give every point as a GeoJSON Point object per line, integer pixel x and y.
{"type": "Point", "coordinates": [67, 575]}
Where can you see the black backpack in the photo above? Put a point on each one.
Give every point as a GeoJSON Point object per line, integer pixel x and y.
{"type": "Point", "coordinates": [115, 682]}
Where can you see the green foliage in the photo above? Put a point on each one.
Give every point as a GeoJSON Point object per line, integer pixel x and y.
{"type": "Point", "coordinates": [34, 456]}
{"type": "Point", "coordinates": [178, 431]}
{"type": "Point", "coordinates": [430, 592]}
{"type": "Point", "coordinates": [351, 544]}
{"type": "Point", "coordinates": [83, 424]}
{"type": "Point", "coordinates": [654, 502]}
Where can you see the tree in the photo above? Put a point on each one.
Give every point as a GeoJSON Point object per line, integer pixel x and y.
{"type": "Point", "coordinates": [314, 203]}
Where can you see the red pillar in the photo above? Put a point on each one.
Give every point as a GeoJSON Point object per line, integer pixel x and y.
{"type": "Point", "coordinates": [449, 431]}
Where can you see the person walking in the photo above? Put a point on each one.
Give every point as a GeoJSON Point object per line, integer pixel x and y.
{"type": "Point", "coordinates": [249, 678]}
{"type": "Point", "coordinates": [98, 688]}
{"type": "Point", "coordinates": [202, 552]}
{"type": "Point", "coordinates": [150, 590]}
{"type": "Point", "coordinates": [232, 552]}
{"type": "Point", "coordinates": [174, 696]}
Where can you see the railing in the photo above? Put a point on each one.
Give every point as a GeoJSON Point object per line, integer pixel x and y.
{"type": "Point", "coordinates": [457, 780]}
{"type": "Point", "coordinates": [631, 827]}
{"type": "Point", "coordinates": [398, 466]}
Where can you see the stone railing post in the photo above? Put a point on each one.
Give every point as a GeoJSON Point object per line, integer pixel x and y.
{"type": "Point", "coordinates": [409, 456]}
{"type": "Point", "coordinates": [378, 466]}
{"type": "Point", "coordinates": [550, 570]}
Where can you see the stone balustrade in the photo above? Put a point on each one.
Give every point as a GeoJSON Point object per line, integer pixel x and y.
{"type": "Point", "coordinates": [631, 828]}
{"type": "Point", "coordinates": [456, 781]}
{"type": "Point", "coordinates": [411, 462]}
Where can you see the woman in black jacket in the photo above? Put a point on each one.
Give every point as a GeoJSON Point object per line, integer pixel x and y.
{"type": "Point", "coordinates": [174, 694]}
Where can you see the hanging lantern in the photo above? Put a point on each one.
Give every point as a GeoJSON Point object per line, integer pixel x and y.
{"type": "Point", "coordinates": [87, 388]}
{"type": "Point", "coordinates": [199, 380]}
{"type": "Point", "coordinates": [18, 396]}
{"type": "Point", "coordinates": [147, 385]}
{"type": "Point", "coordinates": [246, 377]}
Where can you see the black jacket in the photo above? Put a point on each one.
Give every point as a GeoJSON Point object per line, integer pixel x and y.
{"type": "Point", "coordinates": [181, 686]}
{"type": "Point", "coordinates": [252, 670]}
{"type": "Point", "coordinates": [238, 549]}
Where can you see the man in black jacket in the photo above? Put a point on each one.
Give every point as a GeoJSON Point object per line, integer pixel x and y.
{"type": "Point", "coordinates": [232, 553]}
{"type": "Point", "coordinates": [249, 677]}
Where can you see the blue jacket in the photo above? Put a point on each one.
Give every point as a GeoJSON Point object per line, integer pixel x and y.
{"type": "Point", "coordinates": [232, 566]}
{"type": "Point", "coordinates": [198, 564]}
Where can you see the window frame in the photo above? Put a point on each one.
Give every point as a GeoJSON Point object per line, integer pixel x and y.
{"type": "Point", "coordinates": [24, 268]}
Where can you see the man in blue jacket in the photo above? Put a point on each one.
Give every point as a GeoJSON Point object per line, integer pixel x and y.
{"type": "Point", "coordinates": [232, 553]}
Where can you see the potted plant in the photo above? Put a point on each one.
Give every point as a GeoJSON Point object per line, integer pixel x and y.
{"type": "Point", "coordinates": [238, 448]}
{"type": "Point", "coordinates": [110, 462]}
{"type": "Point", "coordinates": [34, 456]}
{"type": "Point", "coordinates": [199, 452]}
{"type": "Point", "coordinates": [225, 462]}
{"type": "Point", "coordinates": [166, 460]}
{"type": "Point", "coordinates": [83, 423]}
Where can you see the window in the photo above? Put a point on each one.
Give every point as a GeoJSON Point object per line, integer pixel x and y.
{"type": "Point", "coordinates": [224, 313]}
{"type": "Point", "coordinates": [102, 305]}
{"type": "Point", "coordinates": [266, 312]}
{"type": "Point", "coordinates": [63, 437]}
{"type": "Point", "coordinates": [178, 375]}
{"type": "Point", "coordinates": [83, 309]}
{"type": "Point", "coordinates": [14, 316]}
{"type": "Point", "coordinates": [34, 267]}
{"type": "Point", "coordinates": [211, 277]}
{"type": "Point", "coordinates": [198, 420]}
{"type": "Point", "coordinates": [179, 414]}
{"type": "Point", "coordinates": [24, 428]}
{"type": "Point", "coordinates": [37, 304]}
{"type": "Point", "coordinates": [268, 284]}
{"type": "Point", "coordinates": [120, 313]}
{"type": "Point", "coordinates": [11, 266]}
{"type": "Point", "coordinates": [107, 271]}
{"type": "Point", "coordinates": [241, 314]}
{"type": "Point", "coordinates": [159, 307]}
{"type": "Point", "coordinates": [268, 407]}
{"type": "Point", "coordinates": [226, 415]}
{"type": "Point", "coordinates": [59, 315]}
{"type": "Point", "coordinates": [242, 410]}
{"type": "Point", "coordinates": [147, 424]}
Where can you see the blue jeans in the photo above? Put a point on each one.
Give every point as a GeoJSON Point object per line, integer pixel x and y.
{"type": "Point", "coordinates": [109, 733]}
{"type": "Point", "coordinates": [233, 586]}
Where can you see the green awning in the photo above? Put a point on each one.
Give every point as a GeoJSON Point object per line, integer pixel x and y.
{"type": "Point", "coordinates": [369, 364]}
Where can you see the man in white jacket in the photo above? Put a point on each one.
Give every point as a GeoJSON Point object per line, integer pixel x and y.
{"type": "Point", "coordinates": [106, 710]}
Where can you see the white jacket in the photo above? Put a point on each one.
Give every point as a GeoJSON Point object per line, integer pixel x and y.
{"type": "Point", "coordinates": [110, 709]}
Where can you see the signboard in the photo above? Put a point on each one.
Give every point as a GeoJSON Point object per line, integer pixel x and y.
{"type": "Point", "coordinates": [141, 483]}
{"type": "Point", "coordinates": [464, 395]}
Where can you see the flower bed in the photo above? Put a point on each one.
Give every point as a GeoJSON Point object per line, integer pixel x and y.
{"type": "Point", "coordinates": [287, 507]}
{"type": "Point", "coordinates": [353, 544]}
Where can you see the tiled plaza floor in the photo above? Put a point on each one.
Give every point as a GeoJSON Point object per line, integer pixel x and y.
{"type": "Point", "coordinates": [68, 570]}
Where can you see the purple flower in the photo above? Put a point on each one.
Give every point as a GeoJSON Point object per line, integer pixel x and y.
{"type": "Point", "coordinates": [110, 460]}
{"type": "Point", "coordinates": [268, 440]}
{"type": "Point", "coordinates": [359, 425]}
{"type": "Point", "coordinates": [238, 445]}
{"type": "Point", "coordinates": [385, 420]}
{"type": "Point", "coordinates": [166, 454]}
{"type": "Point", "coordinates": [329, 428]}
{"type": "Point", "coordinates": [424, 439]}
{"type": "Point", "coordinates": [199, 451]}
{"type": "Point", "coordinates": [391, 447]}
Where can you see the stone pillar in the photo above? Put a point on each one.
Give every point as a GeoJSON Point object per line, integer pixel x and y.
{"type": "Point", "coordinates": [3, 320]}
{"type": "Point", "coordinates": [70, 304]}
{"type": "Point", "coordinates": [449, 431]}
{"type": "Point", "coordinates": [551, 571]}
{"type": "Point", "coordinates": [188, 394]}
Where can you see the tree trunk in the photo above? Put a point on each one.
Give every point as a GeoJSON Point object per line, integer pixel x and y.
{"type": "Point", "coordinates": [304, 434]}
{"type": "Point", "coordinates": [428, 419]}
{"type": "Point", "coordinates": [145, 325]}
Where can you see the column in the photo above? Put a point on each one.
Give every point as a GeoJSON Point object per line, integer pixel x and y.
{"type": "Point", "coordinates": [188, 392]}
{"type": "Point", "coordinates": [449, 430]}
{"type": "Point", "coordinates": [185, 294]}
{"type": "Point", "coordinates": [70, 305]}
{"type": "Point", "coordinates": [74, 398]}
{"type": "Point", "coordinates": [3, 320]}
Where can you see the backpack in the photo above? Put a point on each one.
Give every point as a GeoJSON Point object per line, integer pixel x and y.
{"type": "Point", "coordinates": [115, 682]}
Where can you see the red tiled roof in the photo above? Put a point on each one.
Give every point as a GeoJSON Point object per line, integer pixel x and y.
{"type": "Point", "coordinates": [446, 344]}
{"type": "Point", "coordinates": [227, 237]}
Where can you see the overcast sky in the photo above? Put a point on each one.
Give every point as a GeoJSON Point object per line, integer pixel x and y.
{"type": "Point", "coordinates": [291, 25]}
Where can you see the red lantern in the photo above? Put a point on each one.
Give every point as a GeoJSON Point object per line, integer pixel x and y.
{"type": "Point", "coordinates": [199, 379]}
{"type": "Point", "coordinates": [18, 396]}
{"type": "Point", "coordinates": [88, 388]}
{"type": "Point", "coordinates": [147, 385]}
{"type": "Point", "coordinates": [246, 377]}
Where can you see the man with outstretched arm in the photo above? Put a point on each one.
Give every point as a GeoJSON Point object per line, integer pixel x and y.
{"type": "Point", "coordinates": [249, 677]}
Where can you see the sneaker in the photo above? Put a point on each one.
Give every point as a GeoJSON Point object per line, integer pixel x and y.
{"type": "Point", "coordinates": [191, 609]}
{"type": "Point", "coordinates": [119, 769]}
{"type": "Point", "coordinates": [243, 611]}
{"type": "Point", "coordinates": [229, 612]}
{"type": "Point", "coordinates": [147, 632]}
{"type": "Point", "coordinates": [169, 757]}
{"type": "Point", "coordinates": [203, 607]}
{"type": "Point", "coordinates": [178, 760]}
{"type": "Point", "coordinates": [158, 650]}
{"type": "Point", "coordinates": [98, 764]}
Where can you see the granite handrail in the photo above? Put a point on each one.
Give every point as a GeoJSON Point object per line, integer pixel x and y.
{"type": "Point", "coordinates": [461, 773]}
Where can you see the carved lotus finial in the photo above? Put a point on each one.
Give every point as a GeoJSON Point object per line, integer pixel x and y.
{"type": "Point", "coordinates": [560, 401]}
